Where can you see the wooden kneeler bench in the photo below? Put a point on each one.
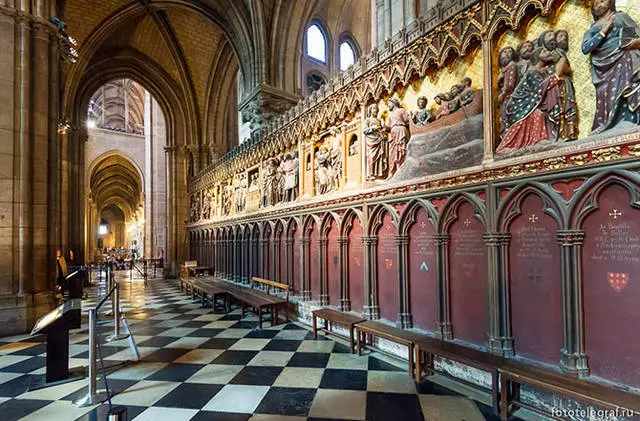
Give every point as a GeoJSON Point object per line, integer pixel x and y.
{"type": "Point", "coordinates": [514, 374]}
{"type": "Point", "coordinates": [259, 297]}
{"type": "Point", "coordinates": [337, 318]}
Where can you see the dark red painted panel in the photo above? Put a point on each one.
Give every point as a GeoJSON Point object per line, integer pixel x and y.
{"type": "Point", "coordinates": [333, 264]}
{"type": "Point", "coordinates": [468, 277]}
{"type": "Point", "coordinates": [611, 260]}
{"type": "Point", "coordinates": [423, 273]}
{"type": "Point", "coordinates": [314, 264]}
{"type": "Point", "coordinates": [295, 279]}
{"type": "Point", "coordinates": [387, 270]}
{"type": "Point", "coordinates": [355, 262]}
{"type": "Point", "coordinates": [536, 283]}
{"type": "Point", "coordinates": [281, 276]}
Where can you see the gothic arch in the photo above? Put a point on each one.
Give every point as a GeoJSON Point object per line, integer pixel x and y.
{"type": "Point", "coordinates": [509, 208]}
{"type": "Point", "coordinates": [377, 215]}
{"type": "Point", "coordinates": [408, 217]}
{"type": "Point", "coordinates": [347, 220]}
{"type": "Point", "coordinates": [450, 210]}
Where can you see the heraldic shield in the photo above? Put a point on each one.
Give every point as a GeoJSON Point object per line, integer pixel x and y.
{"type": "Point", "coordinates": [618, 280]}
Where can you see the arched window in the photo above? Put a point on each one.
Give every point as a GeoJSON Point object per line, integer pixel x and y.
{"type": "Point", "coordinates": [315, 81]}
{"type": "Point", "coordinates": [347, 55]}
{"type": "Point", "coordinates": [316, 43]}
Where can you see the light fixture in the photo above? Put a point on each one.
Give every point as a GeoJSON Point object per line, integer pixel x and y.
{"type": "Point", "coordinates": [103, 228]}
{"type": "Point", "coordinates": [91, 124]}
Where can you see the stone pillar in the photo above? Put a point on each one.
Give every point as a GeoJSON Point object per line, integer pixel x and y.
{"type": "Point", "coordinates": [488, 94]}
{"type": "Point", "coordinates": [172, 258]}
{"type": "Point", "coordinates": [264, 259]}
{"type": "Point", "coordinates": [345, 302]}
{"type": "Point", "coordinates": [444, 324]}
{"type": "Point", "coordinates": [404, 316]}
{"type": "Point", "coordinates": [506, 338]}
{"type": "Point", "coordinates": [275, 257]}
{"type": "Point", "coordinates": [28, 180]}
{"type": "Point", "coordinates": [371, 308]}
{"type": "Point", "coordinates": [288, 261]}
{"type": "Point", "coordinates": [495, 293]}
{"type": "Point", "coordinates": [574, 357]}
{"type": "Point", "coordinates": [305, 246]}
{"type": "Point", "coordinates": [324, 297]}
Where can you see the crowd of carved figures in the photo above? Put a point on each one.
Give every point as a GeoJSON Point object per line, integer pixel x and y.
{"type": "Point", "coordinates": [537, 108]}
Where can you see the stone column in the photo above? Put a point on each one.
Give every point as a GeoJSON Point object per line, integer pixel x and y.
{"type": "Point", "coordinates": [404, 316]}
{"type": "Point", "coordinates": [288, 261]}
{"type": "Point", "coordinates": [264, 258]}
{"type": "Point", "coordinates": [371, 308]}
{"type": "Point", "coordinates": [275, 256]}
{"type": "Point", "coordinates": [345, 302]}
{"type": "Point", "coordinates": [444, 324]}
{"type": "Point", "coordinates": [28, 147]}
{"type": "Point", "coordinates": [305, 246]}
{"type": "Point", "coordinates": [171, 256]}
{"type": "Point", "coordinates": [574, 357]}
{"type": "Point", "coordinates": [488, 95]}
{"type": "Point", "coordinates": [495, 292]}
{"type": "Point", "coordinates": [324, 297]}
{"type": "Point", "coordinates": [506, 338]}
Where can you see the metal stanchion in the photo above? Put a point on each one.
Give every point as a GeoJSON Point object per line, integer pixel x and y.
{"type": "Point", "coordinates": [116, 317]}
{"type": "Point", "coordinates": [93, 395]}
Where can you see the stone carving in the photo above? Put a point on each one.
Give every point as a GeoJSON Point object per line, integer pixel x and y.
{"type": "Point", "coordinates": [253, 181]}
{"type": "Point", "coordinates": [538, 103]}
{"type": "Point", "coordinates": [613, 42]}
{"type": "Point", "coordinates": [376, 143]}
{"type": "Point", "coordinates": [459, 95]}
{"type": "Point", "coordinates": [272, 183]}
{"type": "Point", "coordinates": [195, 208]}
{"type": "Point", "coordinates": [225, 191]}
{"type": "Point", "coordinates": [398, 134]}
{"type": "Point", "coordinates": [208, 205]}
{"type": "Point", "coordinates": [423, 115]}
{"type": "Point", "coordinates": [323, 171]}
{"type": "Point", "coordinates": [336, 160]}
{"type": "Point", "coordinates": [241, 191]}
{"type": "Point", "coordinates": [290, 172]}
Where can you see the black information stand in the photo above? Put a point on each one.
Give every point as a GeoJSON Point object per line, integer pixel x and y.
{"type": "Point", "coordinates": [56, 324]}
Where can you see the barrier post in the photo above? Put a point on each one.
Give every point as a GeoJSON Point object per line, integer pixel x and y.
{"type": "Point", "coordinates": [93, 395]}
{"type": "Point", "coordinates": [116, 317]}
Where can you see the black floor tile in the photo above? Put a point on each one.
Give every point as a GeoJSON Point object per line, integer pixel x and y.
{"type": "Point", "coordinates": [189, 395]}
{"type": "Point", "coordinates": [115, 386]}
{"type": "Point", "coordinates": [218, 343]}
{"type": "Point", "coordinates": [393, 406]}
{"type": "Point", "coordinates": [15, 409]}
{"type": "Point", "coordinates": [427, 387]}
{"type": "Point", "coordinates": [146, 330]}
{"type": "Point", "coordinates": [293, 326]}
{"type": "Point", "coordinates": [344, 379]}
{"type": "Point", "coordinates": [192, 323]}
{"type": "Point", "coordinates": [258, 376]}
{"type": "Point", "coordinates": [339, 348]}
{"type": "Point", "coordinates": [166, 355]}
{"type": "Point", "coordinates": [245, 325]}
{"type": "Point", "coordinates": [32, 350]}
{"type": "Point", "coordinates": [287, 401]}
{"type": "Point", "coordinates": [231, 317]}
{"type": "Point", "coordinates": [379, 365]}
{"type": "Point", "coordinates": [309, 359]}
{"type": "Point", "coordinates": [16, 386]}
{"type": "Point", "coordinates": [158, 341]}
{"type": "Point", "coordinates": [282, 345]}
{"type": "Point", "coordinates": [220, 416]}
{"type": "Point", "coordinates": [105, 351]}
{"type": "Point", "coordinates": [235, 357]}
{"type": "Point", "coordinates": [101, 413]}
{"type": "Point", "coordinates": [175, 372]}
{"type": "Point", "coordinates": [26, 366]}
{"type": "Point", "coordinates": [205, 333]}
{"type": "Point", "coordinates": [262, 334]}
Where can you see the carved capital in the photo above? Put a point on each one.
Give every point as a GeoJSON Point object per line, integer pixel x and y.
{"type": "Point", "coordinates": [402, 240]}
{"type": "Point", "coordinates": [343, 240]}
{"type": "Point", "coordinates": [441, 239]}
{"type": "Point", "coordinates": [568, 238]}
{"type": "Point", "coordinates": [496, 238]}
{"type": "Point", "coordinates": [305, 240]}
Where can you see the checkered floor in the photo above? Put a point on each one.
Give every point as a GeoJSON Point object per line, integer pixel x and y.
{"type": "Point", "coordinates": [200, 365]}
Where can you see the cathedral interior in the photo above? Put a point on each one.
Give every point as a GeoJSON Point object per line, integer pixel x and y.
{"type": "Point", "coordinates": [288, 210]}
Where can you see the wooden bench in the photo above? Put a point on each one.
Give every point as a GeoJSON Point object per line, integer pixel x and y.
{"type": "Point", "coordinates": [185, 274]}
{"type": "Point", "coordinates": [426, 348]}
{"type": "Point", "coordinates": [373, 329]}
{"type": "Point", "coordinates": [204, 286]}
{"type": "Point", "coordinates": [259, 297]}
{"type": "Point", "coordinates": [339, 318]}
{"type": "Point", "coordinates": [514, 374]}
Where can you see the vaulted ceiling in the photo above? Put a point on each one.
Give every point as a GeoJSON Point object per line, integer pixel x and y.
{"type": "Point", "coordinates": [115, 181]}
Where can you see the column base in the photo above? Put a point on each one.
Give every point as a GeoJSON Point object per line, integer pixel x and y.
{"type": "Point", "coordinates": [18, 314]}
{"type": "Point", "coordinates": [371, 312]}
{"type": "Point", "coordinates": [576, 364]}
{"type": "Point", "coordinates": [345, 304]}
{"type": "Point", "coordinates": [445, 331]}
{"type": "Point", "coordinates": [306, 295]}
{"type": "Point", "coordinates": [324, 300]}
{"type": "Point", "coordinates": [500, 346]}
{"type": "Point", "coordinates": [405, 320]}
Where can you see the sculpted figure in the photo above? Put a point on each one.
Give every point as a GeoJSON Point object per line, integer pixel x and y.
{"type": "Point", "coordinates": [272, 189]}
{"type": "Point", "coordinates": [613, 42]}
{"type": "Point", "coordinates": [534, 109]}
{"type": "Point", "coordinates": [253, 181]}
{"type": "Point", "coordinates": [206, 205]}
{"type": "Point", "coordinates": [376, 143]}
{"type": "Point", "coordinates": [240, 192]}
{"type": "Point", "coordinates": [336, 162]}
{"type": "Point", "coordinates": [324, 171]}
{"type": "Point", "coordinates": [507, 82]}
{"type": "Point", "coordinates": [195, 212]}
{"type": "Point", "coordinates": [568, 125]}
{"type": "Point", "coordinates": [226, 200]}
{"type": "Point", "coordinates": [398, 134]}
{"type": "Point", "coordinates": [290, 167]}
{"type": "Point", "coordinates": [467, 93]}
{"type": "Point", "coordinates": [523, 57]}
{"type": "Point", "coordinates": [423, 115]}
